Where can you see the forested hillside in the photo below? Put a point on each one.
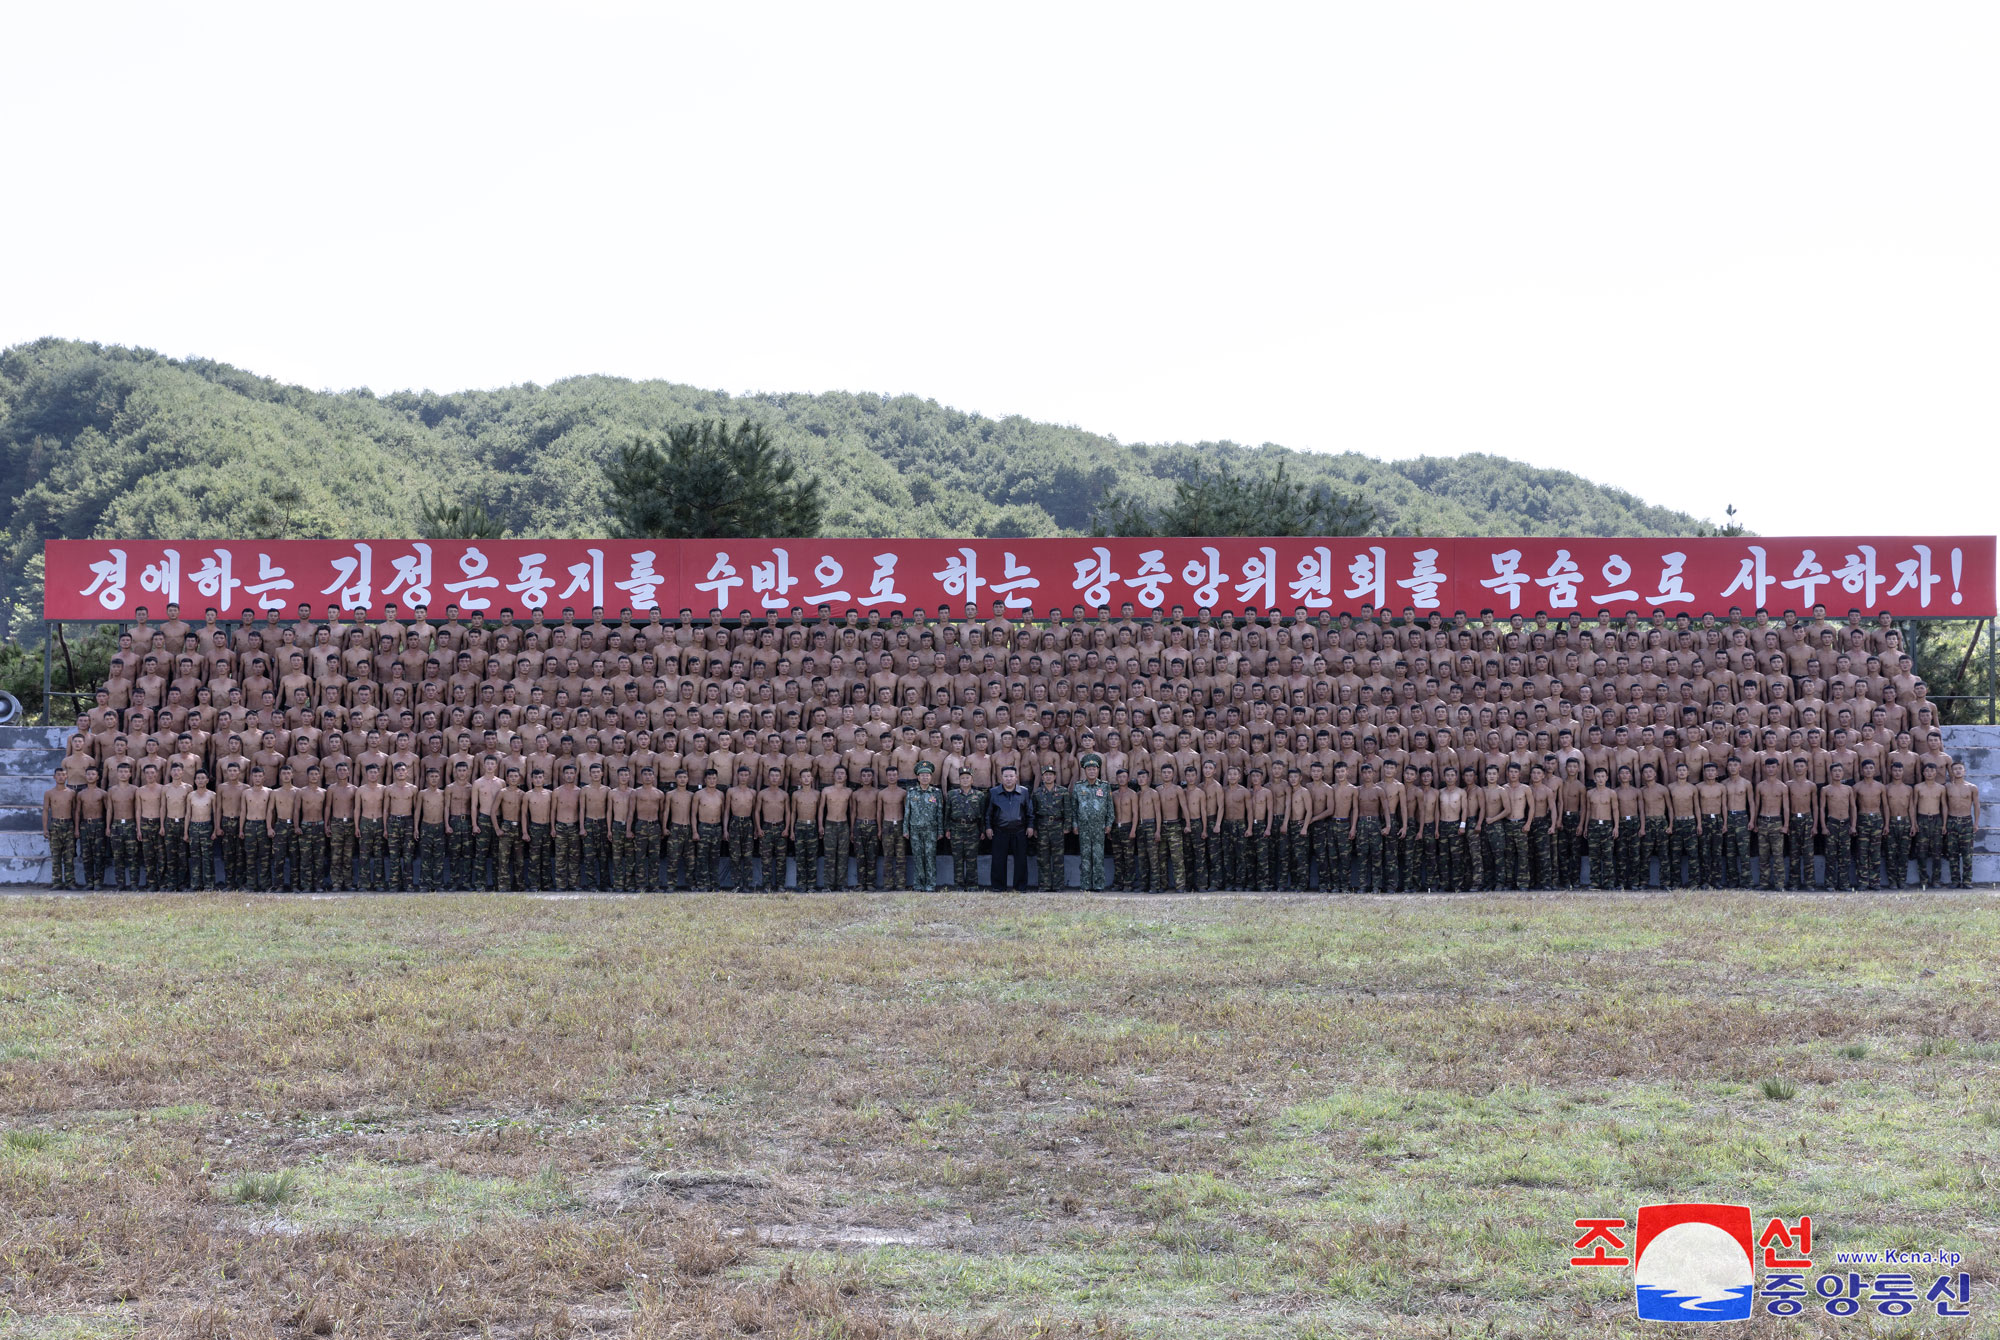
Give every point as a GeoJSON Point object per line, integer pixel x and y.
{"type": "Point", "coordinates": [105, 440]}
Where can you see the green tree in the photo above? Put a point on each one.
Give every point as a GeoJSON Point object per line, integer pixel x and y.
{"type": "Point", "coordinates": [707, 480]}
{"type": "Point", "coordinates": [1219, 500]}
{"type": "Point", "coordinates": [458, 521]}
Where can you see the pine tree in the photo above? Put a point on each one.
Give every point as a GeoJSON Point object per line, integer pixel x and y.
{"type": "Point", "coordinates": [706, 481]}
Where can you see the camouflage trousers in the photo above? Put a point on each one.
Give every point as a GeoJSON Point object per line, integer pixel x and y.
{"type": "Point", "coordinates": [93, 854]}
{"type": "Point", "coordinates": [1930, 849]}
{"type": "Point", "coordinates": [964, 855]}
{"type": "Point", "coordinates": [1631, 843]}
{"type": "Point", "coordinates": [1123, 857]}
{"type": "Point", "coordinates": [485, 844]}
{"type": "Point", "coordinates": [923, 858]}
{"type": "Point", "coordinates": [742, 848]}
{"type": "Point", "coordinates": [680, 852]}
{"type": "Point", "coordinates": [624, 866]}
{"type": "Point", "coordinates": [257, 855]}
{"type": "Point", "coordinates": [342, 843]}
{"type": "Point", "coordinates": [1840, 854]}
{"type": "Point", "coordinates": [597, 855]}
{"type": "Point", "coordinates": [1683, 858]}
{"type": "Point", "coordinates": [1736, 849]}
{"type": "Point", "coordinates": [1868, 850]}
{"type": "Point", "coordinates": [174, 852]}
{"type": "Point", "coordinates": [1600, 837]}
{"type": "Point", "coordinates": [1957, 849]}
{"type": "Point", "coordinates": [507, 851]}
{"type": "Point", "coordinates": [430, 866]}
{"type": "Point", "coordinates": [1569, 852]}
{"type": "Point", "coordinates": [805, 857]}
{"type": "Point", "coordinates": [1331, 846]}
{"type": "Point", "coordinates": [839, 838]}
{"type": "Point", "coordinates": [1771, 858]}
{"type": "Point", "coordinates": [1542, 855]}
{"type": "Point", "coordinates": [284, 846]}
{"type": "Point", "coordinates": [707, 856]}
{"type": "Point", "coordinates": [566, 854]}
{"type": "Point", "coordinates": [895, 872]}
{"type": "Point", "coordinates": [1896, 853]}
{"type": "Point", "coordinates": [1655, 846]}
{"type": "Point", "coordinates": [867, 852]}
{"type": "Point", "coordinates": [122, 847]}
{"type": "Point", "coordinates": [152, 853]}
{"type": "Point", "coordinates": [458, 847]}
{"type": "Point", "coordinates": [1368, 872]}
{"type": "Point", "coordinates": [1146, 856]}
{"type": "Point", "coordinates": [310, 855]}
{"type": "Point", "coordinates": [537, 858]}
{"type": "Point", "coordinates": [1517, 854]}
{"type": "Point", "coordinates": [646, 842]}
{"type": "Point", "coordinates": [1237, 867]}
{"type": "Point", "coordinates": [369, 839]}
{"type": "Point", "coordinates": [1457, 843]}
{"type": "Point", "coordinates": [1798, 865]}
{"type": "Point", "coordinates": [1297, 869]}
{"type": "Point", "coordinates": [62, 853]}
{"type": "Point", "coordinates": [1090, 857]}
{"type": "Point", "coordinates": [1170, 870]}
{"type": "Point", "coordinates": [399, 839]}
{"type": "Point", "coordinates": [201, 855]}
{"type": "Point", "coordinates": [771, 847]}
{"type": "Point", "coordinates": [1050, 862]}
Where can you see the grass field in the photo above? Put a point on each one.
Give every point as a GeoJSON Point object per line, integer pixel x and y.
{"type": "Point", "coordinates": [915, 1116]}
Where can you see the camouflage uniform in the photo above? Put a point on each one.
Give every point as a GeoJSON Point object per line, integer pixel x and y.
{"type": "Point", "coordinates": [312, 856]}
{"type": "Point", "coordinates": [567, 842]}
{"type": "Point", "coordinates": [964, 814]}
{"type": "Point", "coordinates": [1713, 844]}
{"type": "Point", "coordinates": [742, 848]}
{"type": "Point", "coordinates": [124, 847]}
{"type": "Point", "coordinates": [895, 867]}
{"type": "Point", "coordinates": [1771, 858]}
{"type": "Point", "coordinates": [257, 855]}
{"type": "Point", "coordinates": [867, 852]}
{"type": "Point", "coordinates": [1330, 843]}
{"type": "Point", "coordinates": [623, 867]}
{"type": "Point", "coordinates": [93, 854]}
{"type": "Point", "coordinates": [1840, 854]}
{"type": "Point", "coordinates": [1930, 849]}
{"type": "Point", "coordinates": [62, 853]}
{"type": "Point", "coordinates": [341, 844]}
{"type": "Point", "coordinates": [1146, 855]}
{"type": "Point", "coordinates": [1431, 855]}
{"type": "Point", "coordinates": [646, 842]}
{"type": "Point", "coordinates": [1600, 837]}
{"type": "Point", "coordinates": [400, 832]}
{"type": "Point", "coordinates": [838, 836]}
{"type": "Point", "coordinates": [510, 848]}
{"type": "Point", "coordinates": [707, 856]}
{"type": "Point", "coordinates": [1051, 822]}
{"type": "Point", "coordinates": [1542, 854]}
{"type": "Point", "coordinates": [1684, 855]}
{"type": "Point", "coordinates": [1124, 860]}
{"type": "Point", "coordinates": [201, 854]}
{"type": "Point", "coordinates": [1475, 859]}
{"type": "Point", "coordinates": [1500, 851]}
{"type": "Point", "coordinates": [1569, 853]}
{"type": "Point", "coordinates": [152, 854]}
{"type": "Point", "coordinates": [458, 844]}
{"type": "Point", "coordinates": [1798, 856]}
{"type": "Point", "coordinates": [1368, 854]}
{"type": "Point", "coordinates": [923, 819]}
{"type": "Point", "coordinates": [1090, 804]}
{"type": "Point", "coordinates": [371, 852]}
{"type": "Point", "coordinates": [1736, 848]}
{"type": "Point", "coordinates": [173, 834]}
{"type": "Point", "coordinates": [1656, 847]}
{"type": "Point", "coordinates": [771, 847]}
{"type": "Point", "coordinates": [484, 843]}
{"type": "Point", "coordinates": [1957, 849]}
{"type": "Point", "coordinates": [680, 851]}
{"type": "Point", "coordinates": [597, 853]}
{"type": "Point", "coordinates": [805, 857]}
{"type": "Point", "coordinates": [1897, 853]}
{"type": "Point", "coordinates": [1868, 850]}
{"type": "Point", "coordinates": [1631, 844]}
{"type": "Point", "coordinates": [1171, 872]}
{"type": "Point", "coordinates": [537, 872]}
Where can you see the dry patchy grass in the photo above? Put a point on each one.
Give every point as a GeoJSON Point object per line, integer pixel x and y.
{"type": "Point", "coordinates": [846, 1116]}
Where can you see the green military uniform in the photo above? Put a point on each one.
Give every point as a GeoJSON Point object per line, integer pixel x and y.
{"type": "Point", "coordinates": [1051, 823]}
{"type": "Point", "coordinates": [1798, 857]}
{"type": "Point", "coordinates": [62, 853]}
{"type": "Point", "coordinates": [805, 857]}
{"type": "Point", "coordinates": [964, 817]}
{"type": "Point", "coordinates": [923, 819]}
{"type": "Point", "coordinates": [1957, 849]}
{"type": "Point", "coordinates": [1897, 853]}
{"type": "Point", "coordinates": [1840, 854]}
{"type": "Point", "coordinates": [568, 844]}
{"type": "Point", "coordinates": [1090, 811]}
{"type": "Point", "coordinates": [835, 841]}
{"type": "Point", "coordinates": [707, 856]}
{"type": "Point", "coordinates": [458, 848]}
{"type": "Point", "coordinates": [340, 841]}
{"type": "Point", "coordinates": [1600, 837]}
{"type": "Point", "coordinates": [742, 849]}
{"type": "Point", "coordinates": [201, 854]}
{"type": "Point", "coordinates": [1685, 856]}
{"type": "Point", "coordinates": [1736, 849]}
{"type": "Point", "coordinates": [1771, 857]}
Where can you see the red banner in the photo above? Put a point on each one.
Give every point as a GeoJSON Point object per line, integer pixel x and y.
{"type": "Point", "coordinates": [1948, 576]}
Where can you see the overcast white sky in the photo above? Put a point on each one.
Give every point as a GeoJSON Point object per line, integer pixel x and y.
{"type": "Point", "coordinates": [1709, 253]}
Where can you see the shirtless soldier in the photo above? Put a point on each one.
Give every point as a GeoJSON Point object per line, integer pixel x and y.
{"type": "Point", "coordinates": [1961, 820]}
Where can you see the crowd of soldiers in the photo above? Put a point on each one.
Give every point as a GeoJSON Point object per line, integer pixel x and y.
{"type": "Point", "coordinates": [1212, 751]}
